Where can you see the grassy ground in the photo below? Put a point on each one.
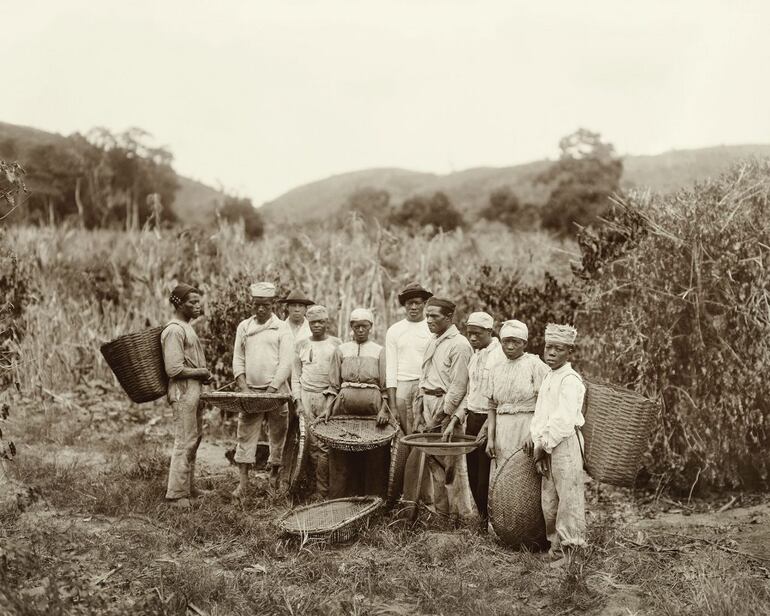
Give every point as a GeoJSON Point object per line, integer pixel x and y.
{"type": "Point", "coordinates": [99, 539]}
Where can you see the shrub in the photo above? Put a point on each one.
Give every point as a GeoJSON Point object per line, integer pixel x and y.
{"type": "Point", "coordinates": [678, 303]}
{"type": "Point", "coordinates": [235, 210]}
{"type": "Point", "coordinates": [436, 212]}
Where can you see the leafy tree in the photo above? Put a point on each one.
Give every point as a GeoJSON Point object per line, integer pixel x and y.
{"type": "Point", "coordinates": [236, 209]}
{"type": "Point", "coordinates": [587, 173]}
{"type": "Point", "coordinates": [436, 212]}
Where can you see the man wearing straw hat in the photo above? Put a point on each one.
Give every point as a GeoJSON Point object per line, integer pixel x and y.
{"type": "Point", "coordinates": [557, 445]}
{"type": "Point", "coordinates": [487, 353]}
{"type": "Point", "coordinates": [262, 359]}
{"type": "Point", "coordinates": [309, 380]}
{"type": "Point", "coordinates": [296, 306]}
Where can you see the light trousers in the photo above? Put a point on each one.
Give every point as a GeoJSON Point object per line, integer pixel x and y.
{"type": "Point", "coordinates": [249, 429]}
{"type": "Point", "coordinates": [318, 451]}
{"type": "Point", "coordinates": [563, 497]}
{"type": "Point", "coordinates": [188, 432]}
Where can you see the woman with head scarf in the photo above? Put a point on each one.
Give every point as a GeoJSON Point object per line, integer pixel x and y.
{"type": "Point", "coordinates": [512, 390]}
{"type": "Point", "coordinates": [357, 387]}
{"type": "Point", "coordinates": [186, 369]}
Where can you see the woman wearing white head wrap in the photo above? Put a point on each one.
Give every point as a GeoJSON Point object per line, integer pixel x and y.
{"type": "Point", "coordinates": [512, 389]}
{"type": "Point", "coordinates": [357, 387]}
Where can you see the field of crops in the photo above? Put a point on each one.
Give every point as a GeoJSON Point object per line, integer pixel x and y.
{"type": "Point", "coordinates": [671, 299]}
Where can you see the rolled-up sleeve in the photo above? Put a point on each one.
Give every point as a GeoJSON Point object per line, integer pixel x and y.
{"type": "Point", "coordinates": [172, 340]}
{"type": "Point", "coordinates": [239, 352]}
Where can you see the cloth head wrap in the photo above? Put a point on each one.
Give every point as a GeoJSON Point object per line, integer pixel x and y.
{"type": "Point", "coordinates": [180, 293]}
{"type": "Point", "coordinates": [442, 303]}
{"type": "Point", "coordinates": [514, 329]}
{"type": "Point", "coordinates": [362, 314]}
{"type": "Point", "coordinates": [481, 319]}
{"type": "Point", "coordinates": [317, 313]}
{"type": "Point", "coordinates": [560, 334]}
{"type": "Point", "coordinates": [262, 289]}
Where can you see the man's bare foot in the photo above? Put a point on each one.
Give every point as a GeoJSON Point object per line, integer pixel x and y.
{"type": "Point", "coordinates": [179, 503]}
{"type": "Point", "coordinates": [239, 492]}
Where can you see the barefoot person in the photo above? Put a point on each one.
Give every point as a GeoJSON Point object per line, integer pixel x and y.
{"type": "Point", "coordinates": [309, 380]}
{"type": "Point", "coordinates": [443, 385]}
{"type": "Point", "coordinates": [487, 354]}
{"type": "Point", "coordinates": [186, 369]}
{"type": "Point", "coordinates": [357, 387]}
{"type": "Point", "coordinates": [296, 306]}
{"type": "Point", "coordinates": [512, 389]}
{"type": "Point", "coordinates": [557, 445]}
{"type": "Point", "coordinates": [262, 360]}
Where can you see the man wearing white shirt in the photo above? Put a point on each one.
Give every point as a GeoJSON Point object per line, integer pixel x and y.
{"type": "Point", "coordinates": [405, 344]}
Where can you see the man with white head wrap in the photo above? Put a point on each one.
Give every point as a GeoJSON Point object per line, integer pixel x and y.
{"type": "Point", "coordinates": [557, 444]}
{"type": "Point", "coordinates": [357, 387]}
{"type": "Point", "coordinates": [262, 360]}
{"type": "Point", "coordinates": [309, 381]}
{"type": "Point", "coordinates": [512, 389]}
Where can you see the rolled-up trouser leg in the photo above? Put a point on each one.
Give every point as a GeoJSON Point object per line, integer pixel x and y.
{"type": "Point", "coordinates": [563, 498]}
{"type": "Point", "coordinates": [187, 437]}
{"type": "Point", "coordinates": [318, 451]}
{"type": "Point", "coordinates": [478, 464]}
{"type": "Point", "coordinates": [249, 430]}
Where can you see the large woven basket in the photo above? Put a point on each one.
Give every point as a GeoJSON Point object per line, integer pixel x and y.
{"type": "Point", "coordinates": [353, 432]}
{"type": "Point", "coordinates": [616, 432]}
{"type": "Point", "coordinates": [433, 444]}
{"type": "Point", "coordinates": [294, 451]}
{"type": "Point", "coordinates": [331, 521]}
{"type": "Point", "coordinates": [514, 503]}
{"type": "Point", "coordinates": [137, 362]}
{"type": "Point", "coordinates": [251, 402]}
{"type": "Point", "coordinates": [399, 454]}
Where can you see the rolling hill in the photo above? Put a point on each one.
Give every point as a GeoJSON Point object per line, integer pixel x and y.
{"type": "Point", "coordinates": [469, 189]}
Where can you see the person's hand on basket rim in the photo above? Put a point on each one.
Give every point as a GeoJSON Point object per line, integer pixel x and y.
{"type": "Point", "coordinates": [298, 408]}
{"type": "Point", "coordinates": [383, 417]}
{"type": "Point", "coordinates": [542, 461]}
{"type": "Point", "coordinates": [481, 437]}
{"type": "Point", "coordinates": [271, 390]}
{"type": "Point", "coordinates": [240, 383]}
{"type": "Point", "coordinates": [529, 447]}
{"type": "Point", "coordinates": [446, 435]}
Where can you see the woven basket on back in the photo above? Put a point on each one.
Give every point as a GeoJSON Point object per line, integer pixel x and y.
{"type": "Point", "coordinates": [433, 444]}
{"type": "Point", "coordinates": [616, 432]}
{"type": "Point", "coordinates": [332, 521]}
{"type": "Point", "coordinates": [353, 432]}
{"type": "Point", "coordinates": [514, 503]}
{"type": "Point", "coordinates": [250, 402]}
{"type": "Point", "coordinates": [137, 361]}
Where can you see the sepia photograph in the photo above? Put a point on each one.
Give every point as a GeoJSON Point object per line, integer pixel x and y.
{"type": "Point", "coordinates": [384, 308]}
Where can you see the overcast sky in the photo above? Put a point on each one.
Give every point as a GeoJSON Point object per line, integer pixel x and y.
{"type": "Point", "coordinates": [262, 96]}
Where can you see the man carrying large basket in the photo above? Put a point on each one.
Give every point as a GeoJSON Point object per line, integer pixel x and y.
{"type": "Point", "coordinates": [262, 361]}
{"type": "Point", "coordinates": [185, 366]}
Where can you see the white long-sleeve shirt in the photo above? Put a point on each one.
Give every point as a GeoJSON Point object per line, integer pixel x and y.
{"type": "Point", "coordinates": [559, 407]}
{"type": "Point", "coordinates": [405, 345]}
{"type": "Point", "coordinates": [264, 353]}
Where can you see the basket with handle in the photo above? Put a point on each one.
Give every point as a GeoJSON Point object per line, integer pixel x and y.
{"type": "Point", "coordinates": [330, 521]}
{"type": "Point", "coordinates": [617, 430]}
{"type": "Point", "coordinates": [353, 432]}
{"type": "Point", "coordinates": [137, 361]}
{"type": "Point", "coordinates": [514, 505]}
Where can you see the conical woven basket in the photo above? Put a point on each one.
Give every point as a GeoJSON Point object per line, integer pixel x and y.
{"type": "Point", "coordinates": [514, 503]}
{"type": "Point", "coordinates": [616, 432]}
{"type": "Point", "coordinates": [331, 521]}
{"type": "Point", "coordinates": [137, 362]}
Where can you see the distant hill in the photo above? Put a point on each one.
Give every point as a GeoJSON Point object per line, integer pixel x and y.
{"type": "Point", "coordinates": [194, 201]}
{"type": "Point", "coordinates": [469, 189]}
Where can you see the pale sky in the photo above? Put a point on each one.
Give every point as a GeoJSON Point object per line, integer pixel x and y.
{"type": "Point", "coordinates": [261, 96]}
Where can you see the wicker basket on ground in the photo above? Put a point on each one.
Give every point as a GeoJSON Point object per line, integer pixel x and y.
{"type": "Point", "coordinates": [353, 432]}
{"type": "Point", "coordinates": [137, 362]}
{"type": "Point", "coordinates": [331, 521]}
{"type": "Point", "coordinates": [250, 402]}
{"type": "Point", "coordinates": [616, 432]}
{"type": "Point", "coordinates": [514, 503]}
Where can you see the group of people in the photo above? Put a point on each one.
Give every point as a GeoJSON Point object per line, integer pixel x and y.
{"type": "Point", "coordinates": [428, 377]}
